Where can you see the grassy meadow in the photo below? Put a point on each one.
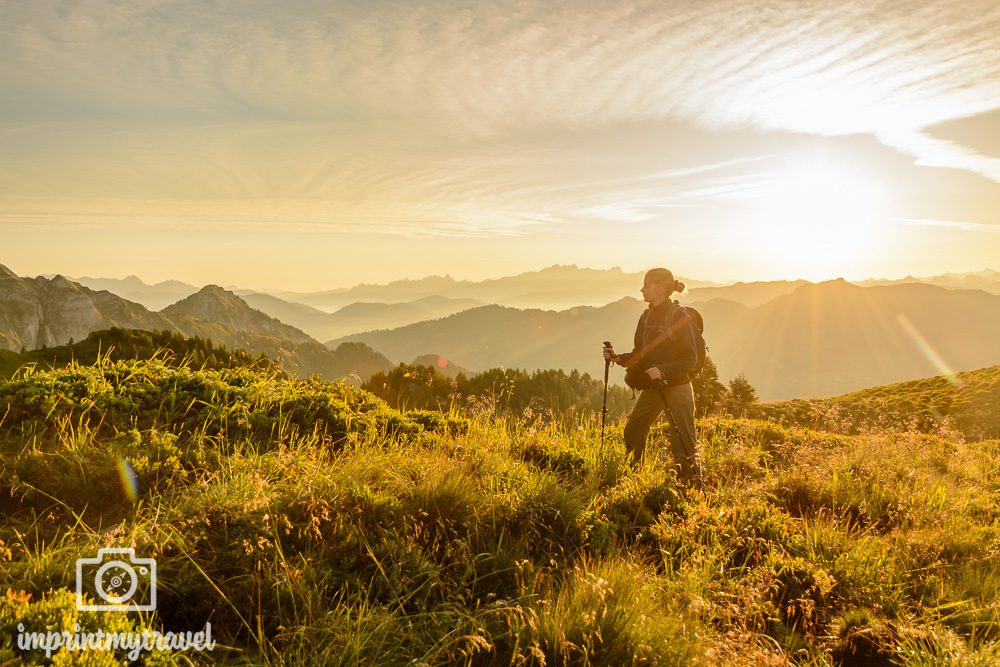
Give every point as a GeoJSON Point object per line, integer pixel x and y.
{"type": "Point", "coordinates": [311, 523]}
{"type": "Point", "coordinates": [963, 405]}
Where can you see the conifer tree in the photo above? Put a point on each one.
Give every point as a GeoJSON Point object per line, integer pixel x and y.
{"type": "Point", "coordinates": [741, 395]}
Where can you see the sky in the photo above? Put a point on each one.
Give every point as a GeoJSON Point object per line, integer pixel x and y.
{"type": "Point", "coordinates": [309, 145]}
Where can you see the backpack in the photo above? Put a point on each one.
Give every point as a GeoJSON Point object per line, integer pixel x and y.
{"type": "Point", "coordinates": [635, 376]}
{"type": "Point", "coordinates": [699, 336]}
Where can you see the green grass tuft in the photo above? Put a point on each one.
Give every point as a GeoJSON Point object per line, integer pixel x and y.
{"type": "Point", "coordinates": [311, 523]}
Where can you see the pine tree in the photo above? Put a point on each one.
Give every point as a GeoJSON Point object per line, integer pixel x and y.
{"type": "Point", "coordinates": [708, 390]}
{"type": "Point", "coordinates": [741, 395]}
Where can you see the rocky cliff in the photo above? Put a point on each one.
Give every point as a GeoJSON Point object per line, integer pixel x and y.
{"type": "Point", "coordinates": [42, 312]}
{"type": "Point", "coordinates": [48, 312]}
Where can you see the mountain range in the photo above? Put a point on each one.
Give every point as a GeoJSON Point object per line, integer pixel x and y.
{"type": "Point", "coordinates": [817, 340]}
{"type": "Point", "coordinates": [319, 324]}
{"type": "Point", "coordinates": [498, 336]}
{"type": "Point", "coordinates": [747, 294]}
{"type": "Point", "coordinates": [41, 312]}
{"type": "Point", "coordinates": [371, 307]}
{"type": "Point", "coordinates": [552, 287]}
{"type": "Point", "coordinates": [835, 337]}
{"type": "Point", "coordinates": [790, 338]}
{"type": "Point", "coordinates": [154, 297]}
{"type": "Point", "coordinates": [357, 316]}
{"type": "Point", "coordinates": [987, 280]}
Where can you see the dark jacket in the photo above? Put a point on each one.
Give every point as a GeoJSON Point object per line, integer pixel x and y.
{"type": "Point", "coordinates": [674, 353]}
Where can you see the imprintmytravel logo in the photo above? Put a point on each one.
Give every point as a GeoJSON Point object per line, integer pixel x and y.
{"type": "Point", "coordinates": [122, 582]}
{"type": "Point", "coordinates": [135, 643]}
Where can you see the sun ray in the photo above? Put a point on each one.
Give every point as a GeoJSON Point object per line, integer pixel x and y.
{"type": "Point", "coordinates": [928, 350]}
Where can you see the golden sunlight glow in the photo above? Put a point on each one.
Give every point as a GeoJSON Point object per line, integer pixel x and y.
{"type": "Point", "coordinates": [818, 220]}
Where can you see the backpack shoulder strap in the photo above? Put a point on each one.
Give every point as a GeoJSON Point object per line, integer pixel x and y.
{"type": "Point", "coordinates": [656, 341]}
{"type": "Point", "coordinates": [668, 320]}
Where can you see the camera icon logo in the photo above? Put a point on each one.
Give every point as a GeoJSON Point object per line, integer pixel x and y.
{"type": "Point", "coordinates": [123, 581]}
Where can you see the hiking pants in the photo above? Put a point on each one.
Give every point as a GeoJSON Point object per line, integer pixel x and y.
{"type": "Point", "coordinates": [648, 406]}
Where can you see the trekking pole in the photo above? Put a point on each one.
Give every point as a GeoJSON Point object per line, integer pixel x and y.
{"type": "Point", "coordinates": [691, 453]}
{"type": "Point", "coordinates": [604, 408]}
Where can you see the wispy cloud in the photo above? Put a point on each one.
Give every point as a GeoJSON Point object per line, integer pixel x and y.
{"type": "Point", "coordinates": [446, 111]}
{"type": "Point", "coordinates": [949, 224]}
{"type": "Point", "coordinates": [934, 152]}
{"type": "Point", "coordinates": [808, 66]}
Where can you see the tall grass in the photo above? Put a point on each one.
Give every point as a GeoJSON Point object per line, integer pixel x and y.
{"type": "Point", "coordinates": [312, 524]}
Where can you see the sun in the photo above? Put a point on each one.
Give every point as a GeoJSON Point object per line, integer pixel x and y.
{"type": "Point", "coordinates": [818, 220]}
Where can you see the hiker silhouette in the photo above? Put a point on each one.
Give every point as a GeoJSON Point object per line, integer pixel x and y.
{"type": "Point", "coordinates": [661, 364]}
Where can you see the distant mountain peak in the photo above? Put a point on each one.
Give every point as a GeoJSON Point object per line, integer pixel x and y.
{"type": "Point", "coordinates": [446, 279]}
{"type": "Point", "coordinates": [214, 290]}
{"type": "Point", "coordinates": [216, 304]}
{"type": "Point", "coordinates": [7, 273]}
{"type": "Point", "coordinates": [810, 291]}
{"type": "Point", "coordinates": [208, 301]}
{"type": "Point", "coordinates": [60, 280]}
{"type": "Point", "coordinates": [836, 283]}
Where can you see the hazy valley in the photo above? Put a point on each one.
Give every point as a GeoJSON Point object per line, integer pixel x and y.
{"type": "Point", "coordinates": [791, 339]}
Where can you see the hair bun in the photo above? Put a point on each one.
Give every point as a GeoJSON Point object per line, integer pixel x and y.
{"type": "Point", "coordinates": [679, 286]}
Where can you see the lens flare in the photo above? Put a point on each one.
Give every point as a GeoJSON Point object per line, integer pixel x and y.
{"type": "Point", "coordinates": [928, 350]}
{"type": "Point", "coordinates": [128, 479]}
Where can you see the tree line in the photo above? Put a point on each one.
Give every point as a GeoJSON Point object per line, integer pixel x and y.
{"type": "Point", "coordinates": [406, 386]}
{"type": "Point", "coordinates": [516, 391]}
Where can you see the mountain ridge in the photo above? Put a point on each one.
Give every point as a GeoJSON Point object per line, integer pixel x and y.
{"type": "Point", "coordinates": [42, 312]}
{"type": "Point", "coordinates": [576, 286]}
{"type": "Point", "coordinates": [216, 304]}
{"type": "Point", "coordinates": [858, 337]}
{"type": "Point", "coordinates": [557, 286]}
{"type": "Point", "coordinates": [819, 340]}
